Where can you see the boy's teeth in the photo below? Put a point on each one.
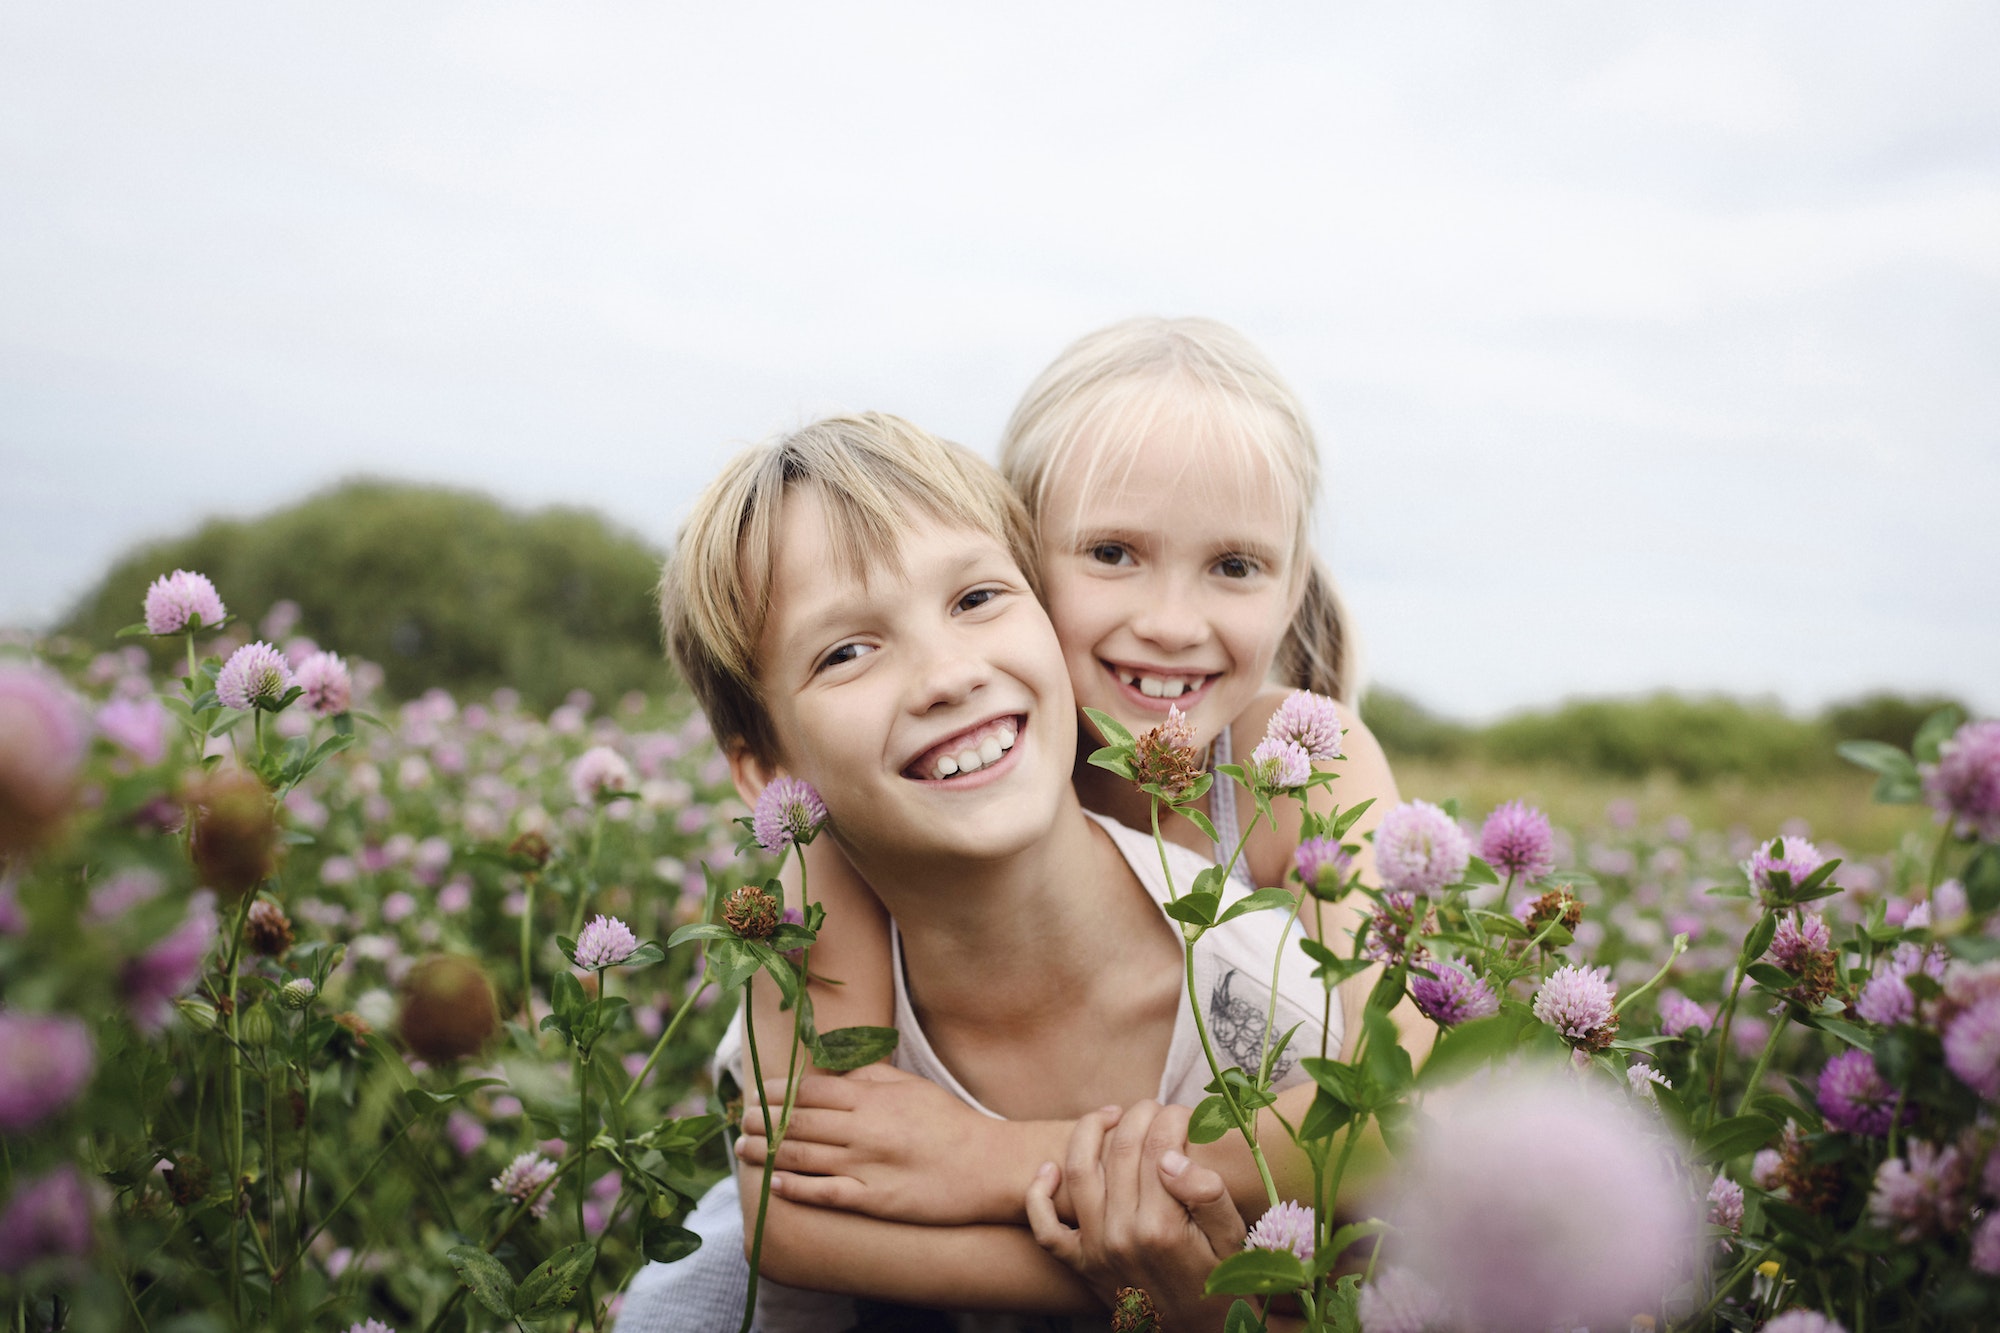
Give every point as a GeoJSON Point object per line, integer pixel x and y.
{"type": "Point", "coordinates": [972, 758]}
{"type": "Point", "coordinates": [969, 761]}
{"type": "Point", "coordinates": [947, 766]}
{"type": "Point", "coordinates": [989, 750]}
{"type": "Point", "coordinates": [1007, 739]}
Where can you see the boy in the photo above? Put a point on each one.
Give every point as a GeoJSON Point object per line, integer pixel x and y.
{"type": "Point", "coordinates": [854, 606]}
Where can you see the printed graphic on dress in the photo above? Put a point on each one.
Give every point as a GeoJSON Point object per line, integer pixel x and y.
{"type": "Point", "coordinates": [1237, 1022]}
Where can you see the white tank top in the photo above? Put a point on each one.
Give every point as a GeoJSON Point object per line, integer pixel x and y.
{"type": "Point", "coordinates": [1232, 967]}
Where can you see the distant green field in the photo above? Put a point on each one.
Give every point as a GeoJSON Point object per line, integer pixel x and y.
{"type": "Point", "coordinates": [1835, 804]}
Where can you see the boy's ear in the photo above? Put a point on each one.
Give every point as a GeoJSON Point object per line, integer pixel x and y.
{"type": "Point", "coordinates": [751, 774]}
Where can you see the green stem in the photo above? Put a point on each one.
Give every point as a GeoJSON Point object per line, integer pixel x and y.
{"type": "Point", "coordinates": [583, 1135]}
{"type": "Point", "coordinates": [520, 1210]}
{"type": "Point", "coordinates": [1764, 1060]}
{"type": "Point", "coordinates": [1160, 845]}
{"type": "Point", "coordinates": [770, 1158]}
{"type": "Point", "coordinates": [1750, 1261]}
{"type": "Point", "coordinates": [589, 873]}
{"type": "Point", "coordinates": [345, 1199]}
{"type": "Point", "coordinates": [660, 1046]}
{"type": "Point", "coordinates": [527, 951]}
{"type": "Point", "coordinates": [1277, 966]}
{"type": "Point", "coordinates": [1244, 1124]}
{"type": "Point", "coordinates": [1938, 856]}
{"type": "Point", "coordinates": [1326, 1008]}
{"type": "Point", "coordinates": [1722, 1046]}
{"type": "Point", "coordinates": [1680, 947]}
{"type": "Point", "coordinates": [232, 962]}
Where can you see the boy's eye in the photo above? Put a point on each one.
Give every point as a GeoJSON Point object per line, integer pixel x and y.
{"type": "Point", "coordinates": [1110, 553]}
{"type": "Point", "coordinates": [977, 598]}
{"type": "Point", "coordinates": [1236, 567]}
{"type": "Point", "coordinates": [847, 652]}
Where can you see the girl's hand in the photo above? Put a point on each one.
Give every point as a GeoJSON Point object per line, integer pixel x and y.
{"type": "Point", "coordinates": [895, 1146]}
{"type": "Point", "coordinates": [1146, 1215]}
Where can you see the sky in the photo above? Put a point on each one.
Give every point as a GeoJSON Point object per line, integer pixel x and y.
{"type": "Point", "coordinates": [1648, 346]}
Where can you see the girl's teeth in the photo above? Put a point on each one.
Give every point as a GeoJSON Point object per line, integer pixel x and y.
{"type": "Point", "coordinates": [1151, 687]}
{"type": "Point", "coordinates": [1161, 687]}
{"type": "Point", "coordinates": [1007, 739]}
{"type": "Point", "coordinates": [947, 766]}
{"type": "Point", "coordinates": [989, 750]}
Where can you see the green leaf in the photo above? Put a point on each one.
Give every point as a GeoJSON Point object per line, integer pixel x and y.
{"type": "Point", "coordinates": [1935, 731]}
{"type": "Point", "coordinates": [555, 1284]}
{"type": "Point", "coordinates": [850, 1048]}
{"type": "Point", "coordinates": [1242, 1319]}
{"type": "Point", "coordinates": [1388, 1062]}
{"type": "Point", "coordinates": [665, 1243]}
{"type": "Point", "coordinates": [1347, 818]}
{"type": "Point", "coordinates": [1109, 727]}
{"type": "Point", "coordinates": [568, 947]}
{"type": "Point", "coordinates": [1324, 1261]}
{"type": "Point", "coordinates": [486, 1277]}
{"type": "Point", "coordinates": [1257, 1273]}
{"type": "Point", "coordinates": [1210, 1121]}
{"type": "Point", "coordinates": [645, 955]}
{"type": "Point", "coordinates": [735, 962]}
{"type": "Point", "coordinates": [1759, 938]}
{"type": "Point", "coordinates": [1196, 909]}
{"type": "Point", "coordinates": [1982, 879]}
{"type": "Point", "coordinates": [1733, 1137]}
{"type": "Point", "coordinates": [1112, 759]}
{"type": "Point", "coordinates": [1326, 1115]}
{"type": "Point", "coordinates": [1263, 900]}
{"type": "Point", "coordinates": [1469, 1046]}
{"type": "Point", "coordinates": [1898, 782]}
{"type": "Point", "coordinates": [790, 935]}
{"type": "Point", "coordinates": [1771, 975]}
{"type": "Point", "coordinates": [1340, 1083]}
{"type": "Point", "coordinates": [133, 631]}
{"type": "Point", "coordinates": [1200, 821]}
{"type": "Point", "coordinates": [1478, 872]}
{"type": "Point", "coordinates": [1498, 923]}
{"type": "Point", "coordinates": [699, 930]}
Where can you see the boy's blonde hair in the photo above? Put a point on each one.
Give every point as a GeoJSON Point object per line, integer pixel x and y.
{"type": "Point", "coordinates": [872, 473]}
{"type": "Point", "coordinates": [1109, 391]}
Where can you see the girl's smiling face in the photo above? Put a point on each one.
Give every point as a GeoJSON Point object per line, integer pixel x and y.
{"type": "Point", "coordinates": [1170, 577]}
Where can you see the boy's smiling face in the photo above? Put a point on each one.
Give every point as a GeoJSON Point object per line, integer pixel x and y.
{"type": "Point", "coordinates": [928, 703]}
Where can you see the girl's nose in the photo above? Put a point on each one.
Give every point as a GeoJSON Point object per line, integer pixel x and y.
{"type": "Point", "coordinates": [1171, 620]}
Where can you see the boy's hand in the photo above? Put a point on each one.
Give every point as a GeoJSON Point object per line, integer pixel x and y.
{"type": "Point", "coordinates": [887, 1144]}
{"type": "Point", "coordinates": [1146, 1216]}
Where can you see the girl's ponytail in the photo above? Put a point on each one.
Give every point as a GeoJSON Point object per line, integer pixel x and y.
{"type": "Point", "coordinates": [1317, 653]}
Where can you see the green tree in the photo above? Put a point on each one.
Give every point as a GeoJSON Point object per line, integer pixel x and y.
{"type": "Point", "coordinates": [441, 587]}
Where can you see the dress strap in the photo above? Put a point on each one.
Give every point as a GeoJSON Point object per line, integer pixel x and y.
{"type": "Point", "coordinates": [1222, 809]}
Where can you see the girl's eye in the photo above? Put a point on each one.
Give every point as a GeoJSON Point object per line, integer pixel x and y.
{"type": "Point", "coordinates": [847, 652]}
{"type": "Point", "coordinates": [1235, 567]}
{"type": "Point", "coordinates": [977, 598]}
{"type": "Point", "coordinates": [1110, 553]}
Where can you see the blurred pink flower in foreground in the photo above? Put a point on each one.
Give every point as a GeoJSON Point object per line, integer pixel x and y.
{"type": "Point", "coordinates": [1419, 849]}
{"type": "Point", "coordinates": [137, 726]}
{"type": "Point", "coordinates": [156, 978]}
{"type": "Point", "coordinates": [1593, 1230]}
{"type": "Point", "coordinates": [1963, 786]}
{"type": "Point", "coordinates": [42, 742]}
{"type": "Point", "coordinates": [48, 1217]}
{"type": "Point", "coordinates": [599, 772]}
{"type": "Point", "coordinates": [45, 1060]}
{"type": "Point", "coordinates": [329, 690]}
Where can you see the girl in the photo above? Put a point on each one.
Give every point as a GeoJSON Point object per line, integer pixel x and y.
{"type": "Point", "coordinates": [1170, 474]}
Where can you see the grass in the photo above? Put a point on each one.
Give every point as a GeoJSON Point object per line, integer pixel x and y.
{"type": "Point", "coordinates": [1836, 806]}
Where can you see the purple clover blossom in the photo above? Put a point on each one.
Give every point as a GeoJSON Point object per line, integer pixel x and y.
{"type": "Point", "coordinates": [1725, 1205]}
{"type": "Point", "coordinates": [48, 1217]}
{"type": "Point", "coordinates": [43, 738]}
{"type": "Point", "coordinates": [1419, 849]}
{"type": "Point", "coordinates": [1921, 1194]}
{"type": "Point", "coordinates": [1796, 857]}
{"type": "Point", "coordinates": [370, 1326]}
{"type": "Point", "coordinates": [1309, 721]}
{"type": "Point", "coordinates": [255, 673]}
{"type": "Point", "coordinates": [1286, 1226]}
{"type": "Point", "coordinates": [1986, 1245]}
{"type": "Point", "coordinates": [1453, 995]}
{"type": "Point", "coordinates": [1679, 1015]}
{"type": "Point", "coordinates": [156, 978]}
{"type": "Point", "coordinates": [329, 689]}
{"type": "Point", "coordinates": [1799, 939]}
{"type": "Point", "coordinates": [1887, 998]}
{"type": "Point", "coordinates": [1963, 786]}
{"type": "Point", "coordinates": [1397, 1301]}
{"type": "Point", "coordinates": [599, 772]}
{"type": "Point", "coordinates": [604, 942]}
{"type": "Point", "coordinates": [1853, 1096]}
{"type": "Point", "coordinates": [1576, 1001]}
{"type": "Point", "coordinates": [1972, 1046]}
{"type": "Point", "coordinates": [1280, 765]}
{"type": "Point", "coordinates": [1517, 840]}
{"type": "Point", "coordinates": [523, 1177]}
{"type": "Point", "coordinates": [1496, 1232]}
{"type": "Point", "coordinates": [177, 600]}
{"type": "Point", "coordinates": [788, 811]}
{"type": "Point", "coordinates": [1803, 1321]}
{"type": "Point", "coordinates": [1322, 864]}
{"type": "Point", "coordinates": [45, 1061]}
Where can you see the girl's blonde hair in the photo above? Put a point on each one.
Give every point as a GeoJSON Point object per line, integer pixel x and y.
{"type": "Point", "coordinates": [1109, 391]}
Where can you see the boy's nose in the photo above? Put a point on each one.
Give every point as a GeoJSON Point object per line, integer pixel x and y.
{"type": "Point", "coordinates": [950, 675]}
